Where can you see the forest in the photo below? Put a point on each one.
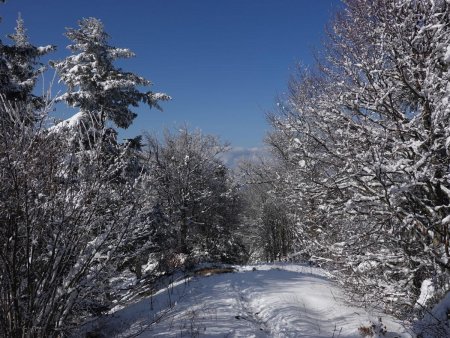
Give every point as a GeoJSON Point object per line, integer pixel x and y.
{"type": "Point", "coordinates": [355, 179]}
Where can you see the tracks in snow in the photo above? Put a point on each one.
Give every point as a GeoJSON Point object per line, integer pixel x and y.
{"type": "Point", "coordinates": [247, 312]}
{"type": "Point", "coordinates": [280, 301]}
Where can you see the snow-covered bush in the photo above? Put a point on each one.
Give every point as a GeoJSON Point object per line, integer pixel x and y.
{"type": "Point", "coordinates": [64, 219]}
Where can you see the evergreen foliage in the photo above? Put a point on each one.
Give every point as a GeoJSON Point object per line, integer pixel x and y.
{"type": "Point", "coordinates": [94, 84]}
{"type": "Point", "coordinates": [20, 67]}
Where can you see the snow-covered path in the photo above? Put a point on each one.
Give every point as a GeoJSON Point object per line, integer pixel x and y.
{"type": "Point", "coordinates": [258, 301]}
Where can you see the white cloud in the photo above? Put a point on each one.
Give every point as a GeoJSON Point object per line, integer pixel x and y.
{"type": "Point", "coordinates": [237, 154]}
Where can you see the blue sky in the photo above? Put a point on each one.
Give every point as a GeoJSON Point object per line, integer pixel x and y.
{"type": "Point", "coordinates": [223, 61]}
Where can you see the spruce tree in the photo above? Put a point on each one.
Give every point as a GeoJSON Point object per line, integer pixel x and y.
{"type": "Point", "coordinates": [20, 67]}
{"type": "Point", "coordinates": [95, 85]}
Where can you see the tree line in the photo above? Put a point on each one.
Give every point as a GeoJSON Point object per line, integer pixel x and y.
{"type": "Point", "coordinates": [78, 208]}
{"type": "Point", "coordinates": [361, 143]}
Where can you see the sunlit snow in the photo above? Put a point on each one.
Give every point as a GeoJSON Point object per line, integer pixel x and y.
{"type": "Point", "coordinates": [274, 300]}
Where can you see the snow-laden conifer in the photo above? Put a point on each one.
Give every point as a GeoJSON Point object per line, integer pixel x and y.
{"type": "Point", "coordinates": [20, 67]}
{"type": "Point", "coordinates": [94, 84]}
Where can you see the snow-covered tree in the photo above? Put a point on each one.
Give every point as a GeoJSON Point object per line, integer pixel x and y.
{"type": "Point", "coordinates": [364, 139]}
{"type": "Point", "coordinates": [197, 195]}
{"type": "Point", "coordinates": [20, 67]}
{"type": "Point", "coordinates": [95, 85]}
{"type": "Point", "coordinates": [268, 218]}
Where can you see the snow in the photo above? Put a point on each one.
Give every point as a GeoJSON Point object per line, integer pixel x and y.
{"type": "Point", "coordinates": [161, 96]}
{"type": "Point", "coordinates": [435, 322]}
{"type": "Point", "coordinates": [446, 220]}
{"type": "Point", "coordinates": [69, 123]}
{"type": "Point", "coordinates": [426, 292]}
{"type": "Point", "coordinates": [447, 55]}
{"type": "Point", "coordinates": [45, 49]}
{"type": "Point", "coordinates": [271, 300]}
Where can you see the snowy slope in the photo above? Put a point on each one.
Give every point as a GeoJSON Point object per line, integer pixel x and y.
{"type": "Point", "coordinates": [256, 301]}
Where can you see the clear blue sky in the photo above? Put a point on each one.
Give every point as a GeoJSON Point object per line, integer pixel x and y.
{"type": "Point", "coordinates": [222, 61]}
